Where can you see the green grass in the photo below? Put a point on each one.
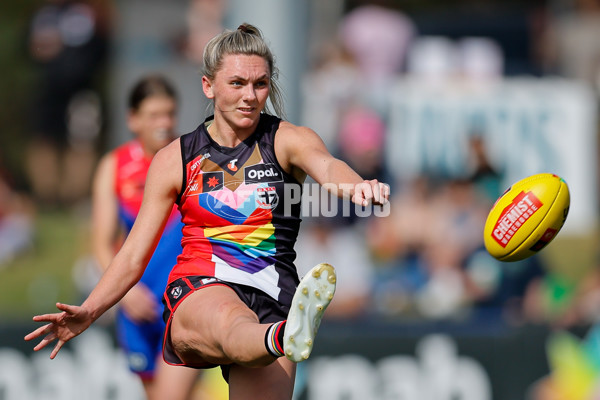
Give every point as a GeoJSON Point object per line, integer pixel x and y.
{"type": "Point", "coordinates": [36, 280]}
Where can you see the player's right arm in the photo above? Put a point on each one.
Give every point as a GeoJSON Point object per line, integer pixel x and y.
{"type": "Point", "coordinates": [105, 214]}
{"type": "Point", "coordinates": [162, 186]}
{"type": "Point", "coordinates": [139, 303]}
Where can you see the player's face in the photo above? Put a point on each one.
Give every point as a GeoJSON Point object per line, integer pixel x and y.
{"type": "Point", "coordinates": [240, 89]}
{"type": "Point", "coordinates": [154, 122]}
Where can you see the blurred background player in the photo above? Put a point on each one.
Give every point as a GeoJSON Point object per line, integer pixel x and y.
{"type": "Point", "coordinates": [116, 199]}
{"type": "Point", "coordinates": [69, 44]}
{"type": "Point", "coordinates": [17, 216]}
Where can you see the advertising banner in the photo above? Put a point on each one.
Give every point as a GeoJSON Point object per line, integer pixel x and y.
{"type": "Point", "coordinates": [528, 126]}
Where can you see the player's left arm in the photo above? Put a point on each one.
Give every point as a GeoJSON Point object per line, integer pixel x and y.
{"type": "Point", "coordinates": [301, 149]}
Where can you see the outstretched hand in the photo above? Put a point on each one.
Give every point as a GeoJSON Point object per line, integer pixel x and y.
{"type": "Point", "coordinates": [62, 326]}
{"type": "Point", "coordinates": [372, 191]}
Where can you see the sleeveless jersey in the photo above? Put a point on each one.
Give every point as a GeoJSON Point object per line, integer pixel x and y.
{"type": "Point", "coordinates": [237, 226]}
{"type": "Point", "coordinates": [130, 177]}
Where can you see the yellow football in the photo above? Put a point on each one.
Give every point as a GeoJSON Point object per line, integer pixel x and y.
{"type": "Point", "coordinates": [526, 217]}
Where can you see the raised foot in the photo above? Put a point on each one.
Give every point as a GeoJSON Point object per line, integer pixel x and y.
{"type": "Point", "coordinates": [313, 295]}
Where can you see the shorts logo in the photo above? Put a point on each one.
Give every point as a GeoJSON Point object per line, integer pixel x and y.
{"type": "Point", "coordinates": [138, 361]}
{"type": "Point", "coordinates": [176, 292]}
{"type": "Point", "coordinates": [262, 173]}
{"type": "Point", "coordinates": [266, 198]}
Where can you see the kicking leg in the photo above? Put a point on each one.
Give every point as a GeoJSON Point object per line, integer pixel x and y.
{"type": "Point", "coordinates": [313, 295]}
{"type": "Point", "coordinates": [213, 325]}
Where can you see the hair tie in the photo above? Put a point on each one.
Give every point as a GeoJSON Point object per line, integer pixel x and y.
{"type": "Point", "coordinates": [244, 29]}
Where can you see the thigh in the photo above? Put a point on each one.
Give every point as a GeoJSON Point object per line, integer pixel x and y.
{"type": "Point", "coordinates": [273, 382]}
{"type": "Point", "coordinates": [202, 321]}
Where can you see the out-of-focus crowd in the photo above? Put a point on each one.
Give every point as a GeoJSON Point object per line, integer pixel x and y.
{"type": "Point", "coordinates": [426, 259]}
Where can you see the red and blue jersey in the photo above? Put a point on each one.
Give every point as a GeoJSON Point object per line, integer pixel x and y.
{"type": "Point", "coordinates": [130, 177]}
{"type": "Point", "coordinates": [238, 224]}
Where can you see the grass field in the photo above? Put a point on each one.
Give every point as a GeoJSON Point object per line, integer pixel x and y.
{"type": "Point", "coordinates": [33, 282]}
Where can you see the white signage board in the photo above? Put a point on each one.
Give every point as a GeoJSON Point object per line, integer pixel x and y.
{"type": "Point", "coordinates": [529, 125]}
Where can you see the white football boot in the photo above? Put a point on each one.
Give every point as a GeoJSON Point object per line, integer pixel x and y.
{"type": "Point", "coordinates": [313, 295]}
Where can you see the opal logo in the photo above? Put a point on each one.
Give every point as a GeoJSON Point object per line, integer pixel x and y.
{"type": "Point", "coordinates": [262, 173]}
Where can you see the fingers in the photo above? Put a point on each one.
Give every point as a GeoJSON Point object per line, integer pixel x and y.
{"type": "Point", "coordinates": [51, 330]}
{"type": "Point", "coordinates": [47, 317]}
{"type": "Point", "coordinates": [371, 191]}
{"type": "Point", "coordinates": [38, 332]}
{"type": "Point", "coordinates": [47, 330]}
{"type": "Point", "coordinates": [45, 341]}
{"type": "Point", "coordinates": [56, 349]}
{"type": "Point", "coordinates": [384, 190]}
{"type": "Point", "coordinates": [375, 187]}
{"type": "Point", "coordinates": [71, 310]}
{"type": "Point", "coordinates": [363, 193]}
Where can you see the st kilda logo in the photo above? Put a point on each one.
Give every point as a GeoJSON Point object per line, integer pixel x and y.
{"type": "Point", "coordinates": [266, 197]}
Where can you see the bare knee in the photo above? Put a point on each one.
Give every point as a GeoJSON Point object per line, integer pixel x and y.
{"type": "Point", "coordinates": [243, 342]}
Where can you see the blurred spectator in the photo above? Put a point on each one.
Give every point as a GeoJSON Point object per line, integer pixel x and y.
{"type": "Point", "coordinates": [432, 59]}
{"type": "Point", "coordinates": [68, 41]}
{"type": "Point", "coordinates": [424, 247]}
{"type": "Point", "coordinates": [565, 298]}
{"type": "Point", "coordinates": [204, 20]}
{"type": "Point", "coordinates": [501, 290]}
{"type": "Point", "coordinates": [361, 139]}
{"type": "Point", "coordinates": [483, 174]}
{"type": "Point", "coordinates": [322, 239]}
{"type": "Point", "coordinates": [378, 38]}
{"type": "Point", "coordinates": [454, 231]}
{"type": "Point", "coordinates": [472, 63]}
{"type": "Point", "coordinates": [371, 45]}
{"type": "Point", "coordinates": [480, 60]}
{"type": "Point", "coordinates": [572, 48]}
{"type": "Point", "coordinates": [331, 84]}
{"type": "Point", "coordinates": [16, 221]}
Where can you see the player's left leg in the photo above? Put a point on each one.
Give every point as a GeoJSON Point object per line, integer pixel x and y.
{"type": "Point", "coordinates": [273, 382]}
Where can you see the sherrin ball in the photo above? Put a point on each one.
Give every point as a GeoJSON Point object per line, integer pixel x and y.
{"type": "Point", "coordinates": [527, 217]}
